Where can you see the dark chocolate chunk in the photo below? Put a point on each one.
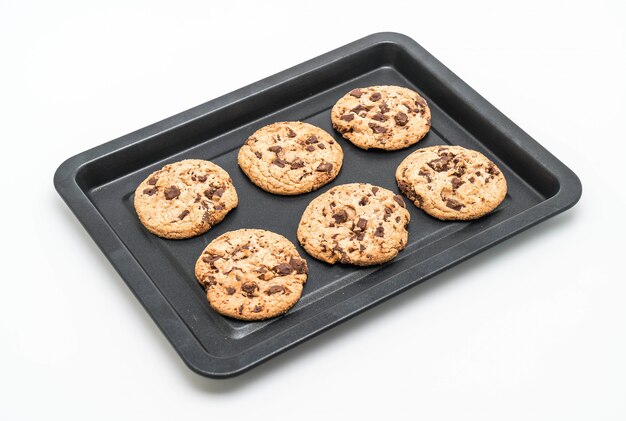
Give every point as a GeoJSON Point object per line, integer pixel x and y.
{"type": "Point", "coordinates": [339, 249]}
{"type": "Point", "coordinates": [419, 199]}
{"type": "Point", "coordinates": [471, 179]}
{"type": "Point", "coordinates": [380, 232]}
{"type": "Point", "coordinates": [209, 281]}
{"type": "Point", "coordinates": [325, 167]}
{"type": "Point", "coordinates": [152, 181]}
{"type": "Point", "coordinates": [364, 200]}
{"type": "Point", "coordinates": [340, 216]}
{"type": "Point", "coordinates": [321, 146]}
{"type": "Point", "coordinates": [384, 108]}
{"type": "Point", "coordinates": [249, 288]}
{"type": "Point", "coordinates": [407, 189]}
{"type": "Point", "coordinates": [401, 119]}
{"type": "Point", "coordinates": [456, 182]}
{"type": "Point", "coordinates": [258, 155]}
{"type": "Point", "coordinates": [209, 192]}
{"type": "Point", "coordinates": [297, 163]}
{"type": "Point", "coordinates": [183, 214]}
{"type": "Point", "coordinates": [425, 174]}
{"type": "Point", "coordinates": [454, 204]}
{"type": "Point", "coordinates": [361, 224]}
{"type": "Point", "coordinates": [458, 171]}
{"type": "Point", "coordinates": [279, 162]}
{"type": "Point", "coordinates": [375, 96]}
{"type": "Point", "coordinates": [218, 207]}
{"type": "Point", "coordinates": [356, 93]}
{"type": "Point", "coordinates": [399, 200]}
{"type": "Point", "coordinates": [440, 164]}
{"type": "Point", "coordinates": [290, 133]}
{"type": "Point", "coordinates": [374, 190]}
{"type": "Point", "coordinates": [257, 309]}
{"type": "Point", "coordinates": [230, 290]}
{"type": "Point", "coordinates": [283, 269]}
{"type": "Point", "coordinates": [379, 117]}
{"type": "Point", "coordinates": [310, 148]}
{"type": "Point", "coordinates": [172, 192]}
{"type": "Point", "coordinates": [202, 178]}
{"type": "Point", "coordinates": [360, 108]}
{"type": "Point", "coordinates": [376, 128]}
{"type": "Point", "coordinates": [347, 117]}
{"type": "Point", "coordinates": [491, 169]}
{"type": "Point", "coordinates": [299, 265]}
{"type": "Point", "coordinates": [150, 191]}
{"type": "Point", "coordinates": [311, 139]}
{"type": "Point", "coordinates": [219, 192]}
{"type": "Point", "coordinates": [275, 148]}
{"type": "Point", "coordinates": [274, 289]}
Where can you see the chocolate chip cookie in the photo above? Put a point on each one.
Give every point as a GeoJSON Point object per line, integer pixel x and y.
{"type": "Point", "coordinates": [251, 274]}
{"type": "Point", "coordinates": [290, 158]}
{"type": "Point", "coordinates": [358, 223]}
{"type": "Point", "coordinates": [382, 117]}
{"type": "Point", "coordinates": [451, 182]}
{"type": "Point", "coordinates": [185, 198]}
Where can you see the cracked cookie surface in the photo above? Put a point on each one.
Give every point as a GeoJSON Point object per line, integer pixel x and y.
{"type": "Point", "coordinates": [185, 198]}
{"type": "Point", "coordinates": [357, 223]}
{"type": "Point", "coordinates": [290, 158]}
{"type": "Point", "coordinates": [451, 182]}
{"type": "Point", "coordinates": [251, 274]}
{"type": "Point", "coordinates": [382, 117]}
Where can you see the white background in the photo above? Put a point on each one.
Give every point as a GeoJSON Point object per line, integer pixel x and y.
{"type": "Point", "coordinates": [532, 329]}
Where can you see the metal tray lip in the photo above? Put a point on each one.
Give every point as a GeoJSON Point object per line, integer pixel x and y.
{"type": "Point", "coordinates": [174, 328]}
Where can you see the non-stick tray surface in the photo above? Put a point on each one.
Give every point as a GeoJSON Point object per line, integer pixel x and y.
{"type": "Point", "coordinates": [98, 186]}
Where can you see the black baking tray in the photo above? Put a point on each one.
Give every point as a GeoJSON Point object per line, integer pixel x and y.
{"type": "Point", "coordinates": [98, 186]}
